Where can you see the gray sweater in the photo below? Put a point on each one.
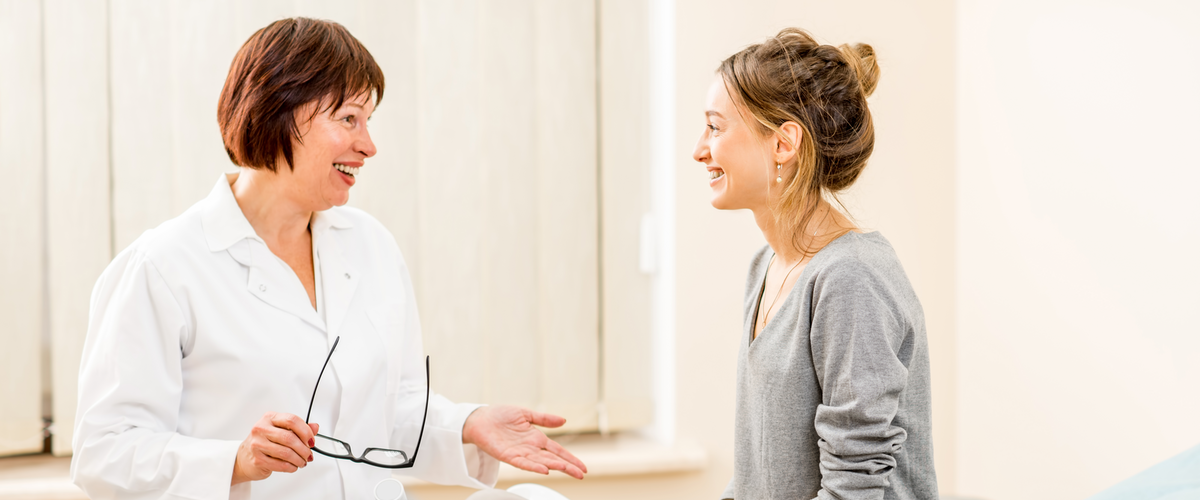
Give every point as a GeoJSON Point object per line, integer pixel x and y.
{"type": "Point", "coordinates": [833, 397]}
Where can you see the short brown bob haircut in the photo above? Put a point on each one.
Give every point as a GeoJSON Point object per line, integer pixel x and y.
{"type": "Point", "coordinates": [282, 67]}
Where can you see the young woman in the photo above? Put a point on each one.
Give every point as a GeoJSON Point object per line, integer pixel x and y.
{"type": "Point", "coordinates": [833, 396]}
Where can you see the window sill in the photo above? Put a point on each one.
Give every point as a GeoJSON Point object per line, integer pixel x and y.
{"type": "Point", "coordinates": [615, 455]}
{"type": "Point", "coordinates": [37, 477]}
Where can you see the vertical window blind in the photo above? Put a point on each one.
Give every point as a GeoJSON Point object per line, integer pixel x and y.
{"type": "Point", "coordinates": [511, 169]}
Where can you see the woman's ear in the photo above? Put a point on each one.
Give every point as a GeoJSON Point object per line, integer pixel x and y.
{"type": "Point", "coordinates": [787, 141]}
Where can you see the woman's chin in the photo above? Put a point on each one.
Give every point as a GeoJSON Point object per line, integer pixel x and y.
{"type": "Point", "coordinates": [336, 198]}
{"type": "Point", "coordinates": [338, 201]}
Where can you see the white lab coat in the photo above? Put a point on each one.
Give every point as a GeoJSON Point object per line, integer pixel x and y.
{"type": "Point", "coordinates": [196, 330]}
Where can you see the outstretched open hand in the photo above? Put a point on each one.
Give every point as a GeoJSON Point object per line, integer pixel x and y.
{"type": "Point", "coordinates": [507, 433]}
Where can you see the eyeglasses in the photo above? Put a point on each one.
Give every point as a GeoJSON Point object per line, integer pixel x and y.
{"type": "Point", "coordinates": [378, 457]}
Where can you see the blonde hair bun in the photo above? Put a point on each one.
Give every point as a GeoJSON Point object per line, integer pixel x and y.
{"type": "Point", "coordinates": [861, 57]}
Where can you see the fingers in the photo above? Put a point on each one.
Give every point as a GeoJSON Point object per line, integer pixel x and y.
{"type": "Point", "coordinates": [556, 462]}
{"type": "Point", "coordinates": [574, 472]}
{"type": "Point", "coordinates": [273, 464]}
{"type": "Point", "coordinates": [279, 443]}
{"type": "Point", "coordinates": [293, 452]}
{"type": "Point", "coordinates": [281, 429]}
{"type": "Point", "coordinates": [529, 465]}
{"type": "Point", "coordinates": [297, 425]}
{"type": "Point", "coordinates": [557, 449]}
{"type": "Point", "coordinates": [283, 458]}
{"type": "Point", "coordinates": [546, 419]}
{"type": "Point", "coordinates": [553, 462]}
{"type": "Point", "coordinates": [275, 444]}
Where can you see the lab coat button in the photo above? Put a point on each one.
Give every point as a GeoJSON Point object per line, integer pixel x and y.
{"type": "Point", "coordinates": [347, 275]}
{"type": "Point", "coordinates": [262, 288]}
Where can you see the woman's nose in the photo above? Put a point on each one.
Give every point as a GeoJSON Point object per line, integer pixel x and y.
{"type": "Point", "coordinates": [701, 152]}
{"type": "Point", "coordinates": [365, 145]}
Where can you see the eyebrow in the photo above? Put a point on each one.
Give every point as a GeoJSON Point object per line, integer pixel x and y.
{"type": "Point", "coordinates": [359, 106]}
{"type": "Point", "coordinates": [711, 113]}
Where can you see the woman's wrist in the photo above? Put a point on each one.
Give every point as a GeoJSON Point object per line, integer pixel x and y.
{"type": "Point", "coordinates": [238, 477]}
{"type": "Point", "coordinates": [469, 426]}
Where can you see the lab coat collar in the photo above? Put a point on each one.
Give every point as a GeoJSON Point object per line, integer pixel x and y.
{"type": "Point", "coordinates": [223, 220]}
{"type": "Point", "coordinates": [225, 224]}
{"type": "Point", "coordinates": [322, 221]}
{"type": "Point", "coordinates": [226, 228]}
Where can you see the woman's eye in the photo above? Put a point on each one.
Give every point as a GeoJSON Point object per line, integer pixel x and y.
{"type": "Point", "coordinates": [712, 127]}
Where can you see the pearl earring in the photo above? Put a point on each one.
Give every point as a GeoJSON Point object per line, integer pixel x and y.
{"type": "Point", "coordinates": [778, 173]}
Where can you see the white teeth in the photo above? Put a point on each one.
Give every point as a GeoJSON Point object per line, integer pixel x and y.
{"type": "Point", "coordinates": [715, 174]}
{"type": "Point", "coordinates": [351, 171]}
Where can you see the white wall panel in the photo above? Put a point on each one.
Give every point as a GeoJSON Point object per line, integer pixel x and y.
{"type": "Point", "coordinates": [461, 179]}
{"type": "Point", "coordinates": [249, 17]}
{"type": "Point", "coordinates": [77, 164]}
{"type": "Point", "coordinates": [387, 185]}
{"type": "Point", "coordinates": [568, 272]}
{"type": "Point", "coordinates": [169, 61]}
{"type": "Point", "coordinates": [447, 269]}
{"type": "Point", "coordinates": [202, 45]}
{"type": "Point", "coordinates": [142, 92]}
{"type": "Point", "coordinates": [22, 246]}
{"type": "Point", "coordinates": [506, 266]}
{"type": "Point", "coordinates": [625, 198]}
{"type": "Point", "coordinates": [509, 173]}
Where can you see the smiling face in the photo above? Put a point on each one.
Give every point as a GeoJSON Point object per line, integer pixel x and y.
{"type": "Point", "coordinates": [739, 160]}
{"type": "Point", "coordinates": [332, 148]}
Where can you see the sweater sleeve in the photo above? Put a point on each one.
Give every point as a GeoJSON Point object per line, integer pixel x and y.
{"type": "Point", "coordinates": [857, 332]}
{"type": "Point", "coordinates": [130, 385]}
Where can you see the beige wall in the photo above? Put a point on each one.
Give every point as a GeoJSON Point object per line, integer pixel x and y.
{"type": "Point", "coordinates": [22, 295]}
{"type": "Point", "coordinates": [1078, 230]}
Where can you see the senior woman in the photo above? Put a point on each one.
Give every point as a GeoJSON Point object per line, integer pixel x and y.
{"type": "Point", "coordinates": [208, 335]}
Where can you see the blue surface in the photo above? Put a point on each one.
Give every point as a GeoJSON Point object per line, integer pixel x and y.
{"type": "Point", "coordinates": [1178, 478]}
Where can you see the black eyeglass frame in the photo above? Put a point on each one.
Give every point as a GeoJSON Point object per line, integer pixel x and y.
{"type": "Point", "coordinates": [409, 461]}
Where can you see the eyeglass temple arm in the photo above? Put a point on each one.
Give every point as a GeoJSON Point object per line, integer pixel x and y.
{"type": "Point", "coordinates": [422, 433]}
{"type": "Point", "coordinates": [314, 394]}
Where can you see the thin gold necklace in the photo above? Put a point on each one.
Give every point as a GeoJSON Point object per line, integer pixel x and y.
{"type": "Point", "coordinates": [762, 323]}
{"type": "Point", "coordinates": [762, 320]}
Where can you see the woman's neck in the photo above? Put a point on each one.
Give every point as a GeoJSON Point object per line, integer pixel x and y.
{"type": "Point", "coordinates": [824, 226]}
{"type": "Point", "coordinates": [270, 207]}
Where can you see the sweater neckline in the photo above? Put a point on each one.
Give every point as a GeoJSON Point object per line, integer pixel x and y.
{"type": "Point", "coordinates": [803, 278]}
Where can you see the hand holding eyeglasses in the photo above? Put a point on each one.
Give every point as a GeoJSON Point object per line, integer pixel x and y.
{"type": "Point", "coordinates": [281, 442]}
{"type": "Point", "coordinates": [277, 443]}
{"type": "Point", "coordinates": [508, 433]}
